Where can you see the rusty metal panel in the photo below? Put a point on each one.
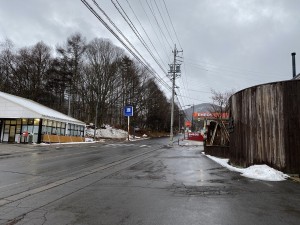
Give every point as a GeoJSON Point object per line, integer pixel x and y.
{"type": "Point", "coordinates": [266, 122]}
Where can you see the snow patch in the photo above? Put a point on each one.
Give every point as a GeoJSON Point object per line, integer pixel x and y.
{"type": "Point", "coordinates": [259, 172]}
{"type": "Point", "coordinates": [109, 132]}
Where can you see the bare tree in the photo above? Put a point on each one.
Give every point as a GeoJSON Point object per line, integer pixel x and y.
{"type": "Point", "coordinates": [102, 63]}
{"type": "Point", "coordinates": [96, 75]}
{"type": "Point", "coordinates": [7, 65]}
{"type": "Point", "coordinates": [220, 102]}
{"type": "Point", "coordinates": [72, 56]}
{"type": "Point", "coordinates": [219, 107]}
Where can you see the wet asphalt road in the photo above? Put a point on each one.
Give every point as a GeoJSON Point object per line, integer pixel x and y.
{"type": "Point", "coordinates": [143, 182]}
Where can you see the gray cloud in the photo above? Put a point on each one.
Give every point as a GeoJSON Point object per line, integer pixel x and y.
{"type": "Point", "coordinates": [227, 44]}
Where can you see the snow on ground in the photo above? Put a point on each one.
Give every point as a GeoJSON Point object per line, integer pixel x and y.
{"type": "Point", "coordinates": [259, 172]}
{"type": "Point", "coordinates": [109, 132]}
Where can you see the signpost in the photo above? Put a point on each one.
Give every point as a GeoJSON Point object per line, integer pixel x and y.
{"type": "Point", "coordinates": [128, 111]}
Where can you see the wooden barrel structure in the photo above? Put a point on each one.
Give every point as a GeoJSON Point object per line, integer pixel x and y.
{"type": "Point", "coordinates": [264, 126]}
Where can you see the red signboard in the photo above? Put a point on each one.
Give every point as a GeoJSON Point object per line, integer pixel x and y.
{"type": "Point", "coordinates": [211, 115]}
{"type": "Point", "coordinates": [188, 123]}
{"type": "Point", "coordinates": [195, 136]}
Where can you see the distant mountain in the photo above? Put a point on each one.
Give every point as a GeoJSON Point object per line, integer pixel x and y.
{"type": "Point", "coordinates": [204, 107]}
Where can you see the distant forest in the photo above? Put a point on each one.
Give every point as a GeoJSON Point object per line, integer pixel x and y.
{"type": "Point", "coordinates": [89, 74]}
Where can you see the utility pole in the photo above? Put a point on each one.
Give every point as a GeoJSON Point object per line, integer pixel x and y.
{"type": "Point", "coordinates": [96, 116]}
{"type": "Point", "coordinates": [179, 128]}
{"type": "Point", "coordinates": [175, 71]}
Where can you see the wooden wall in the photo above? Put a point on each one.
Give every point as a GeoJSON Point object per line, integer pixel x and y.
{"type": "Point", "coordinates": [266, 125]}
{"type": "Point", "coordinates": [217, 151]}
{"type": "Point", "coordinates": [47, 138]}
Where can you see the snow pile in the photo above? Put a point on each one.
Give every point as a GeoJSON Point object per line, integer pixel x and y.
{"type": "Point", "coordinates": [109, 132]}
{"type": "Point", "coordinates": [259, 172]}
{"type": "Point", "coordinates": [89, 139]}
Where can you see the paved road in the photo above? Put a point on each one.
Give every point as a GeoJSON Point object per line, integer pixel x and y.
{"type": "Point", "coordinates": [143, 182]}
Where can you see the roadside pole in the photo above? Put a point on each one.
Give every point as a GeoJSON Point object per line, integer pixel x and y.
{"type": "Point", "coordinates": [174, 71]}
{"type": "Point", "coordinates": [128, 126]}
{"type": "Point", "coordinates": [128, 111]}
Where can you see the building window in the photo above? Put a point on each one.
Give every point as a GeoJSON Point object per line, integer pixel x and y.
{"type": "Point", "coordinates": [49, 130]}
{"type": "Point", "coordinates": [24, 128]}
{"type": "Point", "coordinates": [18, 130]}
{"type": "Point", "coordinates": [36, 122]}
{"type": "Point", "coordinates": [45, 122]}
{"type": "Point", "coordinates": [43, 129]}
{"type": "Point", "coordinates": [30, 121]}
{"type": "Point", "coordinates": [6, 129]}
{"type": "Point", "coordinates": [30, 128]}
{"type": "Point", "coordinates": [36, 129]}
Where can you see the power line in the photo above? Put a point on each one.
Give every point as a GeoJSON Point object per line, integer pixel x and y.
{"type": "Point", "coordinates": [164, 22]}
{"type": "Point", "coordinates": [226, 73]}
{"type": "Point", "coordinates": [159, 27]}
{"type": "Point", "coordinates": [136, 32]}
{"type": "Point", "coordinates": [159, 39]}
{"type": "Point", "coordinates": [226, 67]}
{"type": "Point", "coordinates": [144, 30]}
{"type": "Point", "coordinates": [199, 100]}
{"type": "Point", "coordinates": [148, 67]}
{"type": "Point", "coordinates": [199, 91]}
{"type": "Point", "coordinates": [146, 63]}
{"type": "Point", "coordinates": [184, 81]}
{"type": "Point", "coordinates": [172, 23]}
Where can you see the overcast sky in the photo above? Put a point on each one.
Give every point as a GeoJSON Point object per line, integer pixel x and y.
{"type": "Point", "coordinates": [227, 44]}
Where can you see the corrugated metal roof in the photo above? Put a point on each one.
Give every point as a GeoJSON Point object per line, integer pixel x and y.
{"type": "Point", "coordinates": [36, 108]}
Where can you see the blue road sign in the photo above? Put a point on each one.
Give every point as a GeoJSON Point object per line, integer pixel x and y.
{"type": "Point", "coordinates": [128, 110]}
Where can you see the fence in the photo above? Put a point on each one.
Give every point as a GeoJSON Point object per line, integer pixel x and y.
{"type": "Point", "coordinates": [265, 125]}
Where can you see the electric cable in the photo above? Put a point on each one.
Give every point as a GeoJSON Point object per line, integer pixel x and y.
{"type": "Point", "coordinates": [164, 22]}
{"type": "Point", "coordinates": [136, 32]}
{"type": "Point", "coordinates": [172, 24]}
{"type": "Point", "coordinates": [159, 39]}
{"type": "Point", "coordinates": [148, 67]}
{"type": "Point", "coordinates": [159, 27]}
{"type": "Point", "coordinates": [149, 39]}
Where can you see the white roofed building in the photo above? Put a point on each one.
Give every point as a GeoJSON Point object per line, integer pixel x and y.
{"type": "Point", "coordinates": [23, 120]}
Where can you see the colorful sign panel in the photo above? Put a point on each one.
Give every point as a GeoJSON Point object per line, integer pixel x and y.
{"type": "Point", "coordinates": [188, 123]}
{"type": "Point", "coordinates": [195, 136]}
{"type": "Point", "coordinates": [209, 115]}
{"type": "Point", "coordinates": [128, 110]}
